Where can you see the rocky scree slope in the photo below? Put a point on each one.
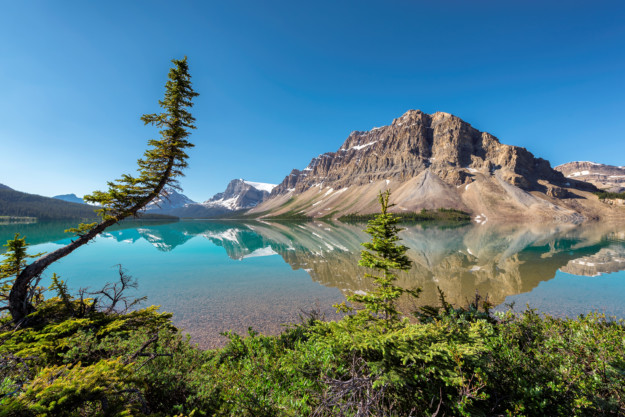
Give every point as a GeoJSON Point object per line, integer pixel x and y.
{"type": "Point", "coordinates": [433, 161]}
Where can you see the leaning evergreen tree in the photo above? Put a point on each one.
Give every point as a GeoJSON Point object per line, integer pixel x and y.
{"type": "Point", "coordinates": [385, 256]}
{"type": "Point", "coordinates": [160, 166]}
{"type": "Point", "coordinates": [15, 260]}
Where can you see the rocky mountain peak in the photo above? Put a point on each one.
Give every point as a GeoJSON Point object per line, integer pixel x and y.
{"type": "Point", "coordinates": [241, 194]}
{"type": "Point", "coordinates": [432, 161]}
{"type": "Point", "coordinates": [442, 143]}
{"type": "Point", "coordinates": [169, 200]}
{"type": "Point", "coordinates": [72, 198]}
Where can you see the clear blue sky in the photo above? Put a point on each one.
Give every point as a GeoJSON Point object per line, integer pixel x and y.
{"type": "Point", "coordinates": [283, 81]}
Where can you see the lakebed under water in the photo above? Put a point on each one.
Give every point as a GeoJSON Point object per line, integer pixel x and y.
{"type": "Point", "coordinates": [220, 276]}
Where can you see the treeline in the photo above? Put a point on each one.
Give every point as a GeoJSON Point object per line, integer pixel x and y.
{"type": "Point", "coordinates": [612, 196]}
{"type": "Point", "coordinates": [441, 214]}
{"type": "Point", "coordinates": [18, 204]}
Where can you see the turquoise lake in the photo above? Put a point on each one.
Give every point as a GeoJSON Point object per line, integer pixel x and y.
{"type": "Point", "coordinates": [220, 276]}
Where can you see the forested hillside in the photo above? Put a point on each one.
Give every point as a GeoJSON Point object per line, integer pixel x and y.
{"type": "Point", "coordinates": [16, 203]}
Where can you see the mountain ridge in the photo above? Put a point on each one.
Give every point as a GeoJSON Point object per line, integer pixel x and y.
{"type": "Point", "coordinates": [239, 195]}
{"type": "Point", "coordinates": [71, 198]}
{"type": "Point", "coordinates": [433, 161]}
{"type": "Point", "coordinates": [610, 178]}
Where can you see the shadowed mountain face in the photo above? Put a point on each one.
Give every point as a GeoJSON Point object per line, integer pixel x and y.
{"type": "Point", "coordinates": [433, 161]}
{"type": "Point", "coordinates": [496, 260]}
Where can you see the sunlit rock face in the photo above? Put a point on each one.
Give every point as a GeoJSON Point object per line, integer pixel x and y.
{"type": "Point", "coordinates": [434, 161]}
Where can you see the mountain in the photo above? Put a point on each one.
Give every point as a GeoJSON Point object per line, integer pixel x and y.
{"type": "Point", "coordinates": [169, 201]}
{"type": "Point", "coordinates": [433, 161]}
{"type": "Point", "coordinates": [239, 195]}
{"type": "Point", "coordinates": [16, 203]}
{"type": "Point", "coordinates": [606, 177]}
{"type": "Point", "coordinates": [70, 198]}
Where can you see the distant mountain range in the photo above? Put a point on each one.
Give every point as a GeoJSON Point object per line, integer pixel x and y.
{"type": "Point", "coordinates": [434, 161]}
{"type": "Point", "coordinates": [19, 204]}
{"type": "Point", "coordinates": [71, 198]}
{"type": "Point", "coordinates": [605, 177]}
{"type": "Point", "coordinates": [428, 161]}
{"type": "Point", "coordinates": [239, 196]}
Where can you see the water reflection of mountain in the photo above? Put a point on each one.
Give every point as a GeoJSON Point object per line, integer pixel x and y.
{"type": "Point", "coordinates": [493, 259]}
{"type": "Point", "coordinates": [54, 231]}
{"type": "Point", "coordinates": [239, 240]}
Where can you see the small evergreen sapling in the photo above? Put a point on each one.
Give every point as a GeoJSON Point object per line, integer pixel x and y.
{"type": "Point", "coordinates": [384, 255]}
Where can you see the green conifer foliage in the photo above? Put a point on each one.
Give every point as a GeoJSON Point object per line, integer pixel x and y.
{"type": "Point", "coordinates": [160, 166]}
{"type": "Point", "coordinates": [15, 260]}
{"type": "Point", "coordinates": [384, 255]}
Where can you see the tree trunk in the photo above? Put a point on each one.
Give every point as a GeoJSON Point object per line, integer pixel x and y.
{"type": "Point", "coordinates": [19, 305]}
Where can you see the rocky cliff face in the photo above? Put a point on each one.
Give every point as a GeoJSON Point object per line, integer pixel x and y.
{"type": "Point", "coordinates": [432, 161]}
{"type": "Point", "coordinates": [440, 143]}
{"type": "Point", "coordinates": [606, 177]}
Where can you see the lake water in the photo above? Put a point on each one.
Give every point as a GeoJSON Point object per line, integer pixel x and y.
{"type": "Point", "coordinates": [219, 276]}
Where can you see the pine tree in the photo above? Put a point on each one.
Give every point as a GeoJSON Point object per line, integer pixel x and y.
{"type": "Point", "coordinates": [160, 166]}
{"type": "Point", "coordinates": [385, 256]}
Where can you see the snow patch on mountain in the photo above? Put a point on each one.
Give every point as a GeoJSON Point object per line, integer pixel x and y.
{"type": "Point", "coordinates": [262, 186]}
